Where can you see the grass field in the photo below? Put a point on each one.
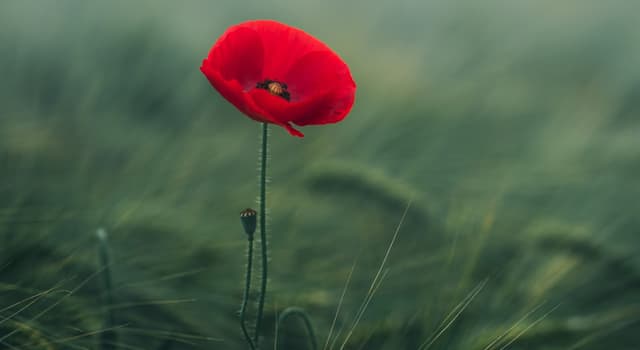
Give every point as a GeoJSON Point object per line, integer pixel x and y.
{"type": "Point", "coordinates": [498, 139]}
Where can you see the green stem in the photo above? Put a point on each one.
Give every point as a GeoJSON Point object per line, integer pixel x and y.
{"type": "Point", "coordinates": [245, 298]}
{"type": "Point", "coordinates": [263, 230]}
{"type": "Point", "coordinates": [108, 338]}
{"type": "Point", "coordinates": [296, 311]}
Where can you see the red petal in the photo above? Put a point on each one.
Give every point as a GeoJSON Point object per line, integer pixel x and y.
{"type": "Point", "coordinates": [327, 109]}
{"type": "Point", "coordinates": [238, 55]}
{"type": "Point", "coordinates": [233, 92]}
{"type": "Point", "coordinates": [323, 78]}
{"type": "Point", "coordinates": [293, 131]}
{"type": "Point", "coordinates": [283, 46]}
{"type": "Point", "coordinates": [323, 108]}
{"type": "Point", "coordinates": [318, 71]}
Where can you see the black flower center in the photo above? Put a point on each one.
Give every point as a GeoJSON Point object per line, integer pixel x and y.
{"type": "Point", "coordinates": [275, 88]}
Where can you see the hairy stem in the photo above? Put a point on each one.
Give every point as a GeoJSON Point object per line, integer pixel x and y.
{"type": "Point", "coordinates": [263, 229]}
{"type": "Point", "coordinates": [245, 297]}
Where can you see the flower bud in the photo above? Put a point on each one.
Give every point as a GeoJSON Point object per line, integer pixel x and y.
{"type": "Point", "coordinates": [248, 217]}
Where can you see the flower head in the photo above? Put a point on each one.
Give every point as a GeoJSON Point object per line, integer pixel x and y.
{"type": "Point", "coordinates": [278, 74]}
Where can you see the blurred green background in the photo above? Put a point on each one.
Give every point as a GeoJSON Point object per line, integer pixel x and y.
{"type": "Point", "coordinates": [510, 126]}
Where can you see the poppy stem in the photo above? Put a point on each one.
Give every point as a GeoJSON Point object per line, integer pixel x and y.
{"type": "Point", "coordinates": [263, 233]}
{"type": "Point", "coordinates": [245, 297]}
{"type": "Point", "coordinates": [297, 311]}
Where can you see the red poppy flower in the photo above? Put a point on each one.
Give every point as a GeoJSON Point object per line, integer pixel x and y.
{"type": "Point", "coordinates": [278, 74]}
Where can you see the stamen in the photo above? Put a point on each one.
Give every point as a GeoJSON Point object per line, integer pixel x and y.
{"type": "Point", "coordinates": [275, 88]}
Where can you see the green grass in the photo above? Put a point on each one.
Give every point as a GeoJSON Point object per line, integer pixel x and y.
{"type": "Point", "coordinates": [511, 129]}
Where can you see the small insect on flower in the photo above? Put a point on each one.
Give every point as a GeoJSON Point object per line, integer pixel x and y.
{"type": "Point", "coordinates": [278, 74]}
{"type": "Point", "coordinates": [275, 88]}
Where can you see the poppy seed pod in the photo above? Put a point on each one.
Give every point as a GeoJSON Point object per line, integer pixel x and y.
{"type": "Point", "coordinates": [248, 219]}
{"type": "Point", "coordinates": [278, 74]}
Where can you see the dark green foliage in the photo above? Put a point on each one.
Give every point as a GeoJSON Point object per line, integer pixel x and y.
{"type": "Point", "coordinates": [365, 189]}
{"type": "Point", "coordinates": [511, 128]}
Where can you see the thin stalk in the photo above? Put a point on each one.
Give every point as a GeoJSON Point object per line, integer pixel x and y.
{"type": "Point", "coordinates": [263, 229]}
{"type": "Point", "coordinates": [296, 311]}
{"type": "Point", "coordinates": [245, 297]}
{"type": "Point", "coordinates": [109, 337]}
